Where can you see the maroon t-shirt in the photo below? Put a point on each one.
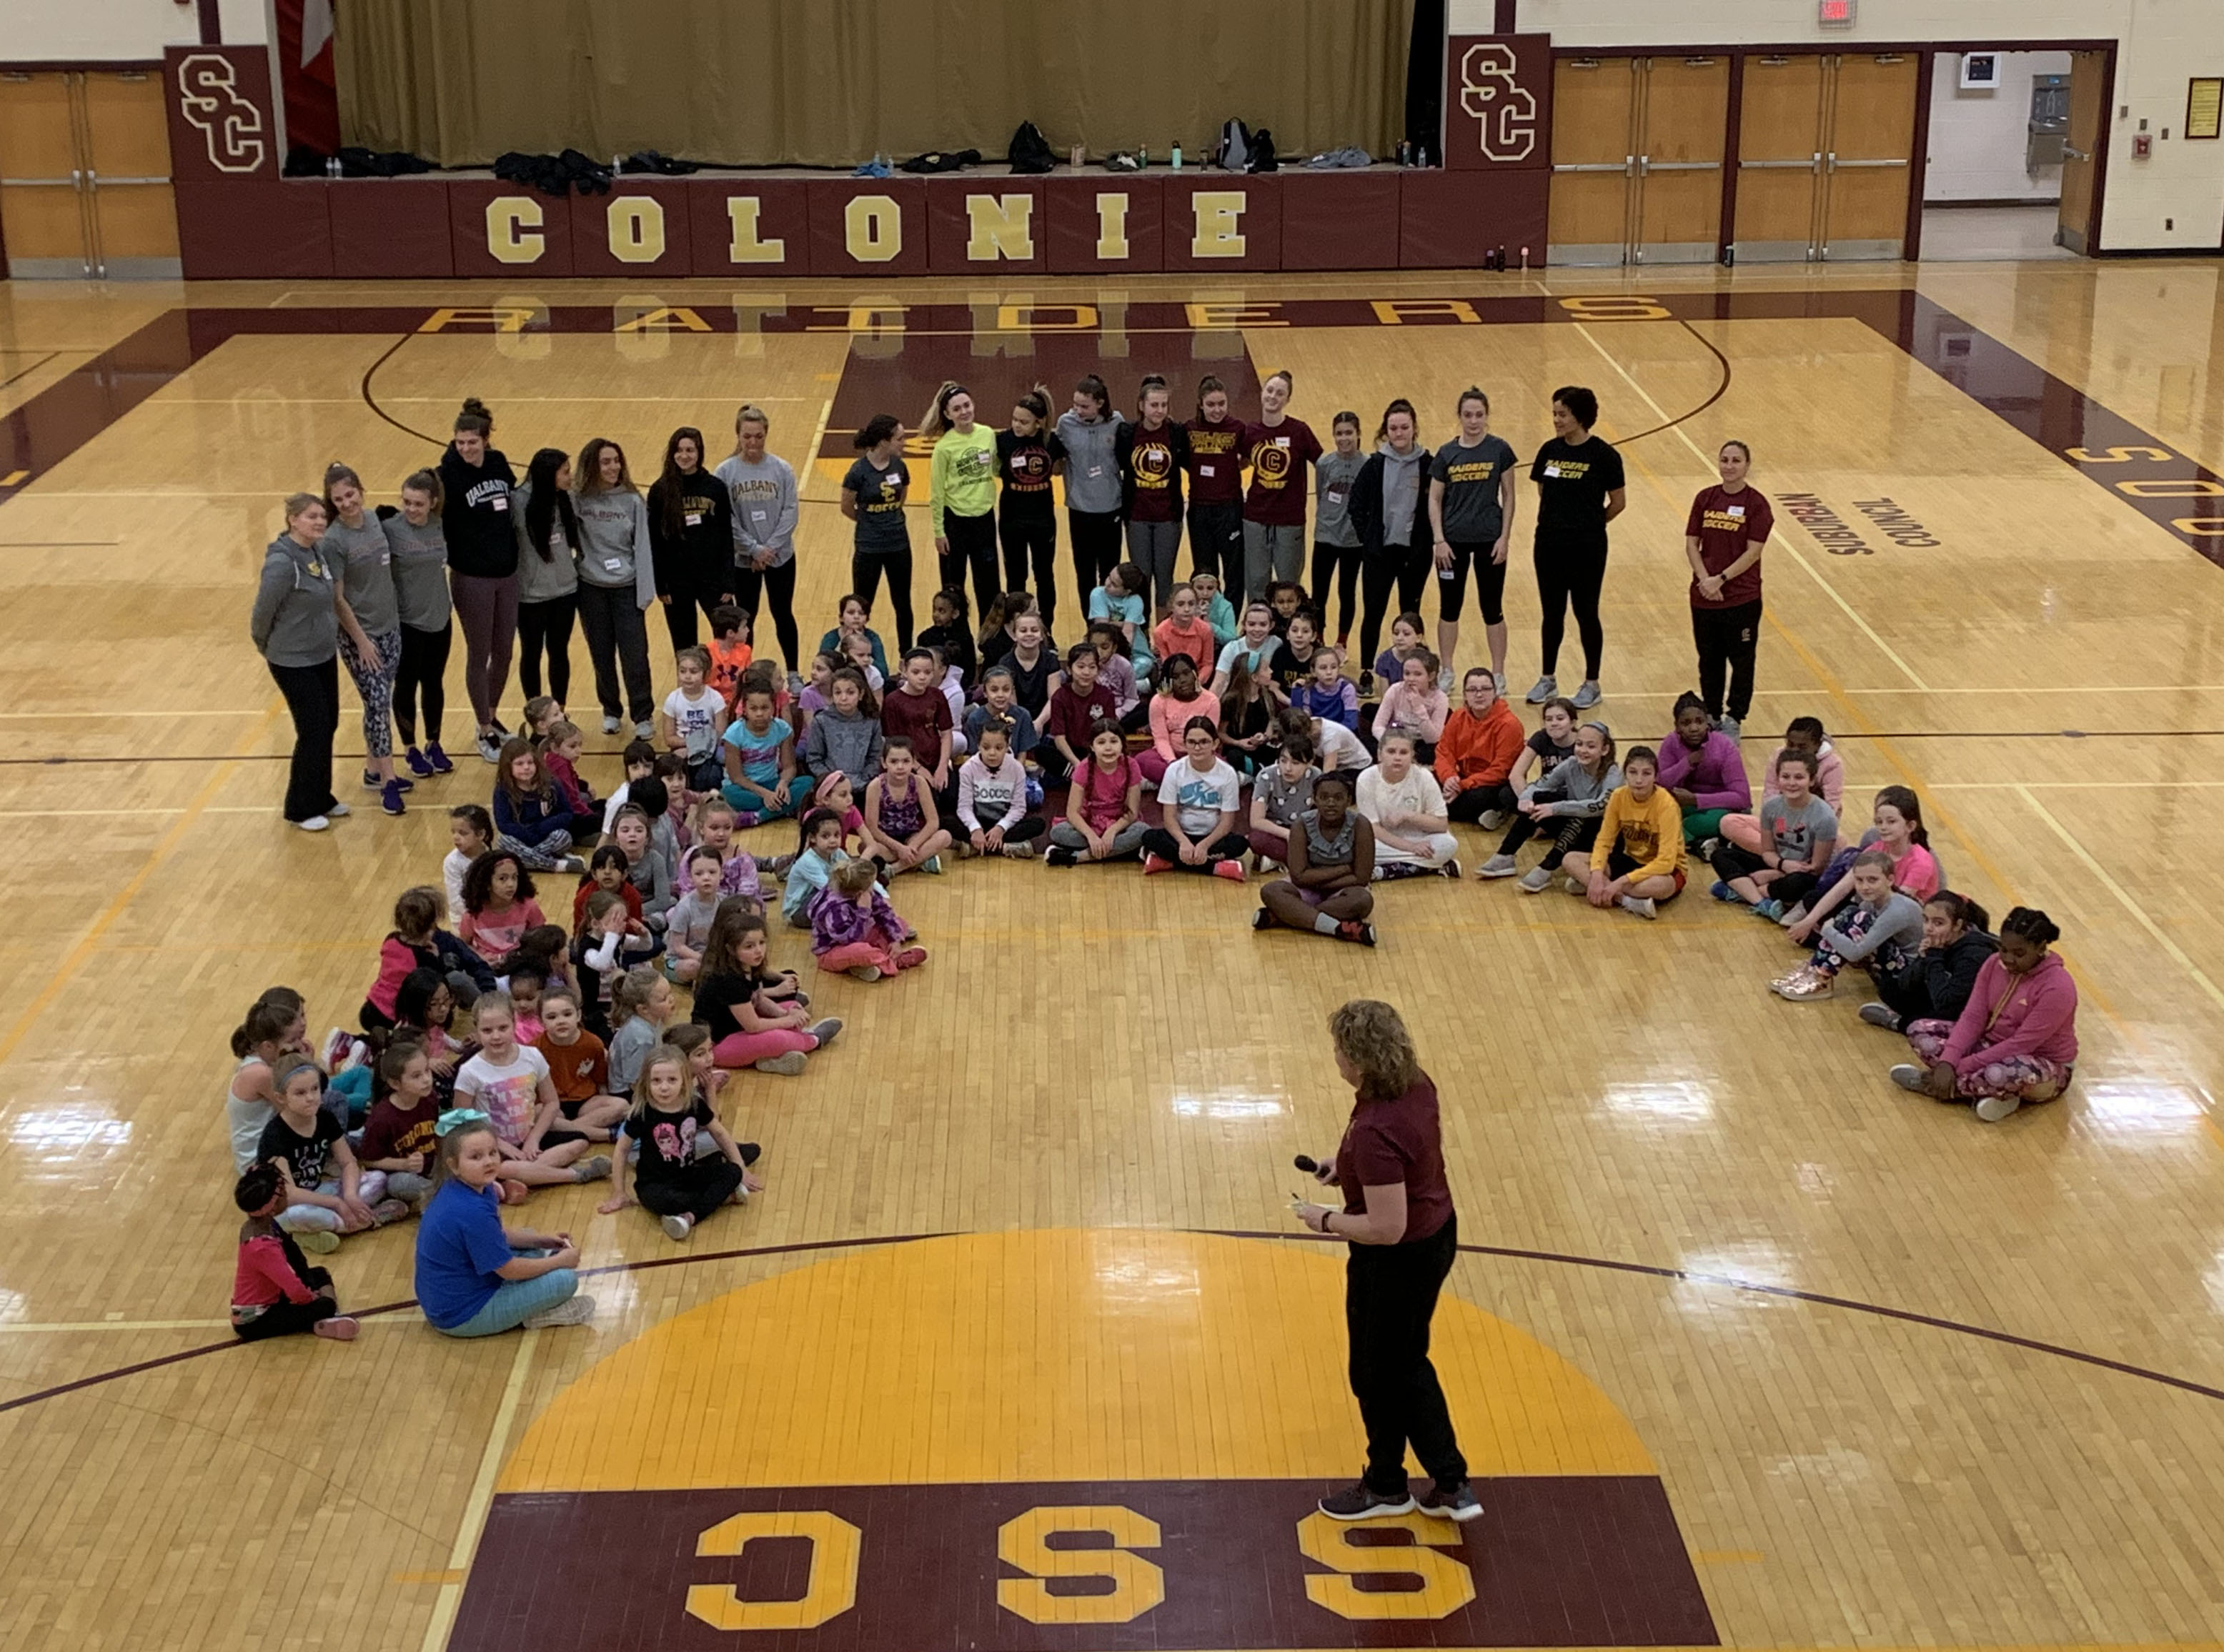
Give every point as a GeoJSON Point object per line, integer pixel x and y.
{"type": "Point", "coordinates": [1215, 460]}
{"type": "Point", "coordinates": [1723, 523]}
{"type": "Point", "coordinates": [1071, 715]}
{"type": "Point", "coordinates": [1397, 1141]}
{"type": "Point", "coordinates": [922, 719]}
{"type": "Point", "coordinates": [391, 1132]}
{"type": "Point", "coordinates": [1278, 456]}
{"type": "Point", "coordinates": [1153, 465]}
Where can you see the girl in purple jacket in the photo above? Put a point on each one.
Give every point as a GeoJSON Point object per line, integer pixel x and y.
{"type": "Point", "coordinates": [2016, 1040]}
{"type": "Point", "coordinates": [1700, 768]}
{"type": "Point", "coordinates": [853, 928]}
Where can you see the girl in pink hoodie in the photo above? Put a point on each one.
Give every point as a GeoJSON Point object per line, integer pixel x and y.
{"type": "Point", "coordinates": [2016, 1041]}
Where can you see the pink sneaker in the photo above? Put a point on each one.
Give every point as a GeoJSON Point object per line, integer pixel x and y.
{"type": "Point", "coordinates": [1231, 870]}
{"type": "Point", "coordinates": [910, 958]}
{"type": "Point", "coordinates": [1153, 863]}
{"type": "Point", "coordinates": [340, 1327]}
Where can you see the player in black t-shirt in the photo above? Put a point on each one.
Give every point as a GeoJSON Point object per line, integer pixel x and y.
{"type": "Point", "coordinates": [1580, 489]}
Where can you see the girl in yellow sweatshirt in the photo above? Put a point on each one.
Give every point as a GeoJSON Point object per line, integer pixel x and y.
{"type": "Point", "coordinates": [1638, 862]}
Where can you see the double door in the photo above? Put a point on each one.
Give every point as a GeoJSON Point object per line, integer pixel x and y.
{"type": "Point", "coordinates": [84, 174]}
{"type": "Point", "coordinates": [1826, 157]}
{"type": "Point", "coordinates": [1637, 159]}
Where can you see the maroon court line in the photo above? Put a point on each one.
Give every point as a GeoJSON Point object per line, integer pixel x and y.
{"type": "Point", "coordinates": [1604, 1263]}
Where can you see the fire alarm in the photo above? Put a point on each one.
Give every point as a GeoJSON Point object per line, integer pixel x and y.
{"type": "Point", "coordinates": [2142, 145]}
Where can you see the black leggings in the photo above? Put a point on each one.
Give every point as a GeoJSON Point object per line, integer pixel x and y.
{"type": "Point", "coordinates": [1216, 541]}
{"type": "Point", "coordinates": [1568, 835]}
{"type": "Point", "coordinates": [779, 587]}
{"type": "Point", "coordinates": [1474, 802]}
{"type": "Point", "coordinates": [865, 572]}
{"type": "Point", "coordinates": [1489, 586]}
{"type": "Point", "coordinates": [972, 544]}
{"type": "Point", "coordinates": [290, 1319]}
{"type": "Point", "coordinates": [1407, 566]}
{"type": "Point", "coordinates": [1389, 1297]}
{"type": "Point", "coordinates": [548, 623]}
{"type": "Point", "coordinates": [421, 676]}
{"type": "Point", "coordinates": [680, 616]}
{"type": "Point", "coordinates": [1730, 861]}
{"type": "Point", "coordinates": [1341, 564]}
{"type": "Point", "coordinates": [1097, 547]}
{"type": "Point", "coordinates": [313, 695]}
{"type": "Point", "coordinates": [1163, 844]}
{"type": "Point", "coordinates": [1030, 542]}
{"type": "Point", "coordinates": [1571, 576]}
{"type": "Point", "coordinates": [696, 1189]}
{"type": "Point", "coordinates": [776, 584]}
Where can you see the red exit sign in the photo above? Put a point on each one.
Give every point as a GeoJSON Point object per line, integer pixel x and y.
{"type": "Point", "coordinates": [1834, 14]}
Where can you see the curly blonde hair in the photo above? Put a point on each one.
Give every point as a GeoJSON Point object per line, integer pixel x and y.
{"type": "Point", "coordinates": [1371, 1035]}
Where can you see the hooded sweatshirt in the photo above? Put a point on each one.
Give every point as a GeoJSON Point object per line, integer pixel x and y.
{"type": "Point", "coordinates": [1943, 979]}
{"type": "Point", "coordinates": [1092, 462]}
{"type": "Point", "coordinates": [613, 549]}
{"type": "Point", "coordinates": [847, 741]}
{"type": "Point", "coordinates": [1715, 774]}
{"type": "Point", "coordinates": [1579, 793]}
{"type": "Point", "coordinates": [2031, 1014]}
{"type": "Point", "coordinates": [1386, 498]}
{"type": "Point", "coordinates": [475, 514]}
{"type": "Point", "coordinates": [542, 579]}
{"type": "Point", "coordinates": [1479, 750]}
{"type": "Point", "coordinates": [293, 623]}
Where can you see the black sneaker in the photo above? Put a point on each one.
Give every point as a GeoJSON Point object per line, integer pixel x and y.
{"type": "Point", "coordinates": [1359, 1503]}
{"type": "Point", "coordinates": [1055, 856]}
{"type": "Point", "coordinates": [1456, 1502]}
{"type": "Point", "coordinates": [750, 1152]}
{"type": "Point", "coordinates": [1262, 919]}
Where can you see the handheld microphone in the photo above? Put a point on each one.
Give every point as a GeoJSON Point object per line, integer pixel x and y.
{"type": "Point", "coordinates": [1305, 1162]}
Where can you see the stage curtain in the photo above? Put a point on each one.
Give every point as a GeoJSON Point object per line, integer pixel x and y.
{"type": "Point", "coordinates": [829, 83]}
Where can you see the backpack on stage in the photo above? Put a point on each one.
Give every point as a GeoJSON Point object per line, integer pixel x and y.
{"type": "Point", "coordinates": [1031, 151]}
{"type": "Point", "coordinates": [1234, 151]}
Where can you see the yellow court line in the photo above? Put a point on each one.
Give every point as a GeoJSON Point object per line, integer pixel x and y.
{"type": "Point", "coordinates": [74, 960]}
{"type": "Point", "coordinates": [482, 1495]}
{"type": "Point", "coordinates": [1812, 572]}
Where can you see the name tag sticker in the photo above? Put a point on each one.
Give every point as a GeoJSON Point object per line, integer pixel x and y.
{"type": "Point", "coordinates": [1335, 495]}
{"type": "Point", "coordinates": [1281, 441]}
{"type": "Point", "coordinates": [615, 564]}
{"type": "Point", "coordinates": [694, 519]}
{"type": "Point", "coordinates": [1737, 510]}
{"type": "Point", "coordinates": [1205, 469]}
{"type": "Point", "coordinates": [1096, 469]}
{"type": "Point", "coordinates": [499, 502]}
{"type": "Point", "coordinates": [1551, 469]}
{"type": "Point", "coordinates": [757, 516]}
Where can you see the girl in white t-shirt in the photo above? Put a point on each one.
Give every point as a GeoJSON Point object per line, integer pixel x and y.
{"type": "Point", "coordinates": [510, 1083]}
{"type": "Point", "coordinates": [1404, 804]}
{"type": "Point", "coordinates": [692, 718]}
{"type": "Point", "coordinates": [1198, 799]}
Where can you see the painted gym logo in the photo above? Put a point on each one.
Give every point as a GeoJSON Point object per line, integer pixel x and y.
{"type": "Point", "coordinates": [209, 99]}
{"type": "Point", "coordinates": [1503, 110]}
{"type": "Point", "coordinates": [1093, 1441]}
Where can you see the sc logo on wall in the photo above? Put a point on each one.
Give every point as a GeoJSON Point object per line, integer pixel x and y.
{"type": "Point", "coordinates": [209, 99]}
{"type": "Point", "coordinates": [1503, 110]}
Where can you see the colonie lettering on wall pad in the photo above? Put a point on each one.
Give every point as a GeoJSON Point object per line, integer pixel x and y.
{"type": "Point", "coordinates": [999, 228]}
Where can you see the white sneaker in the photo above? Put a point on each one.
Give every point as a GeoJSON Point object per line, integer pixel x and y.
{"type": "Point", "coordinates": [573, 1310]}
{"type": "Point", "coordinates": [339, 811]}
{"type": "Point", "coordinates": [314, 823]}
{"type": "Point", "coordinates": [1444, 682]}
{"type": "Point", "coordinates": [609, 725]}
{"type": "Point", "coordinates": [1637, 905]}
{"type": "Point", "coordinates": [678, 1226]}
{"type": "Point", "coordinates": [1993, 1108]}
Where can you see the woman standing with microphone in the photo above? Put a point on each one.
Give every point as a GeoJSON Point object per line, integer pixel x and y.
{"type": "Point", "coordinates": [296, 629]}
{"type": "Point", "coordinates": [1398, 1216]}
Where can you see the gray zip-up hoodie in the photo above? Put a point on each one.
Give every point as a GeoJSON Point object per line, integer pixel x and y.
{"type": "Point", "coordinates": [293, 623]}
{"type": "Point", "coordinates": [614, 527]}
{"type": "Point", "coordinates": [764, 499]}
{"type": "Point", "coordinates": [539, 581]}
{"type": "Point", "coordinates": [1401, 490]}
{"type": "Point", "coordinates": [1092, 466]}
{"type": "Point", "coordinates": [1579, 794]}
{"type": "Point", "coordinates": [851, 744]}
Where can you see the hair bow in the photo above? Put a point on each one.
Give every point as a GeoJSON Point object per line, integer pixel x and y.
{"type": "Point", "coordinates": [456, 1117]}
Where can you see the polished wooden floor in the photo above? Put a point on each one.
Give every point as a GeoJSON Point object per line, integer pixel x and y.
{"type": "Point", "coordinates": [1908, 1380]}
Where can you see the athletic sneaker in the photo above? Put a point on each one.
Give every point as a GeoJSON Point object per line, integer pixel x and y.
{"type": "Point", "coordinates": [1805, 986]}
{"type": "Point", "coordinates": [1262, 919]}
{"type": "Point", "coordinates": [1498, 866]}
{"type": "Point", "coordinates": [1729, 725]}
{"type": "Point", "coordinates": [866, 972]}
{"type": "Point", "coordinates": [1771, 909]}
{"type": "Point", "coordinates": [609, 724]}
{"type": "Point", "coordinates": [1450, 868]}
{"type": "Point", "coordinates": [1026, 851]}
{"type": "Point", "coordinates": [340, 1327]}
{"type": "Point", "coordinates": [490, 748]}
{"type": "Point", "coordinates": [339, 811]}
{"type": "Point", "coordinates": [1642, 905]}
{"type": "Point", "coordinates": [750, 1153]}
{"type": "Point", "coordinates": [1993, 1108]}
{"type": "Point", "coordinates": [1536, 881]}
{"type": "Point", "coordinates": [1444, 681]}
{"type": "Point", "coordinates": [572, 863]}
{"type": "Point", "coordinates": [573, 1310]}
{"type": "Point", "coordinates": [1721, 889]}
{"type": "Point", "coordinates": [910, 958]}
{"type": "Point", "coordinates": [387, 1212]}
{"type": "Point", "coordinates": [1453, 1502]}
{"type": "Point", "coordinates": [389, 797]}
{"type": "Point", "coordinates": [440, 762]}
{"type": "Point", "coordinates": [1546, 687]}
{"type": "Point", "coordinates": [1358, 1503]}
{"type": "Point", "coordinates": [1231, 870]}
{"type": "Point", "coordinates": [678, 1226]}
{"type": "Point", "coordinates": [314, 823]}
{"type": "Point", "coordinates": [418, 765]}
{"type": "Point", "coordinates": [1588, 696]}
{"type": "Point", "coordinates": [1355, 931]}
{"type": "Point", "coordinates": [778, 866]}
{"type": "Point", "coordinates": [1881, 1015]}
{"type": "Point", "coordinates": [1706, 849]}
{"type": "Point", "coordinates": [644, 729]}
{"type": "Point", "coordinates": [1153, 863]}
{"type": "Point", "coordinates": [591, 1169]}
{"type": "Point", "coordinates": [932, 864]}
{"type": "Point", "coordinates": [1366, 684]}
{"type": "Point", "coordinates": [372, 783]}
{"type": "Point", "coordinates": [1909, 1076]}
{"type": "Point", "coordinates": [318, 1241]}
{"type": "Point", "coordinates": [825, 1031]}
{"type": "Point", "coordinates": [1573, 885]}
{"type": "Point", "coordinates": [1056, 856]}
{"type": "Point", "coordinates": [1492, 819]}
{"type": "Point", "coordinates": [789, 1065]}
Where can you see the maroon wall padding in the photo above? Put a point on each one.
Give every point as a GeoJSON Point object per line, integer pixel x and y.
{"type": "Point", "coordinates": [250, 231]}
{"type": "Point", "coordinates": [783, 215]}
{"type": "Point", "coordinates": [829, 201]}
{"type": "Point", "coordinates": [217, 99]}
{"type": "Point", "coordinates": [1071, 199]}
{"type": "Point", "coordinates": [591, 231]}
{"type": "Point", "coordinates": [1496, 116]}
{"type": "Point", "coordinates": [1448, 220]}
{"type": "Point", "coordinates": [1340, 220]}
{"type": "Point", "coordinates": [1260, 224]}
{"type": "Point", "coordinates": [948, 227]}
{"type": "Point", "coordinates": [467, 207]}
{"type": "Point", "coordinates": [389, 228]}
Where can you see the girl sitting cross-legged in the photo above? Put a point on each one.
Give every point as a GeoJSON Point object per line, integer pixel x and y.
{"type": "Point", "coordinates": [1642, 831]}
{"type": "Point", "coordinates": [1565, 806]}
{"type": "Point", "coordinates": [1798, 831]}
{"type": "Point", "coordinates": [2015, 1040]}
{"type": "Point", "coordinates": [1197, 830]}
{"type": "Point", "coordinates": [1331, 862]}
{"type": "Point", "coordinates": [1403, 803]}
{"type": "Point", "coordinates": [1101, 820]}
{"type": "Point", "coordinates": [1878, 930]}
{"type": "Point", "coordinates": [750, 1027]}
{"type": "Point", "coordinates": [854, 929]}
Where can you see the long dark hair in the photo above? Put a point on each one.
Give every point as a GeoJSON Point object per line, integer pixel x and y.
{"type": "Point", "coordinates": [547, 501]}
{"type": "Point", "coordinates": [667, 492]}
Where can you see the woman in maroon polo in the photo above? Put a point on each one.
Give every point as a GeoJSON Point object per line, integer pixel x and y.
{"type": "Point", "coordinates": [1398, 1216]}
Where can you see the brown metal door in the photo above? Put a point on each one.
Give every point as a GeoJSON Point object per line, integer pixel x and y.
{"type": "Point", "coordinates": [2089, 111]}
{"type": "Point", "coordinates": [135, 217]}
{"type": "Point", "coordinates": [1869, 155]}
{"type": "Point", "coordinates": [41, 182]}
{"type": "Point", "coordinates": [1594, 159]}
{"type": "Point", "coordinates": [1780, 159]}
{"type": "Point", "coordinates": [1679, 161]}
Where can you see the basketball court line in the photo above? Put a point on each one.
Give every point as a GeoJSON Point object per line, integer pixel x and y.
{"type": "Point", "coordinates": [473, 1519]}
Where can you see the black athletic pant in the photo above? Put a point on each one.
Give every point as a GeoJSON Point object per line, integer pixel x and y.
{"type": "Point", "coordinates": [617, 636]}
{"type": "Point", "coordinates": [1474, 802]}
{"type": "Point", "coordinates": [1216, 542]}
{"type": "Point", "coordinates": [1571, 576]}
{"type": "Point", "coordinates": [1389, 1297]}
{"type": "Point", "coordinates": [1407, 566]}
{"type": "Point", "coordinates": [1031, 542]}
{"type": "Point", "coordinates": [421, 676]}
{"type": "Point", "coordinates": [972, 544]}
{"type": "Point", "coordinates": [1339, 562]}
{"type": "Point", "coordinates": [313, 695]}
{"type": "Point", "coordinates": [777, 585]}
{"type": "Point", "coordinates": [865, 572]}
{"type": "Point", "coordinates": [546, 625]}
{"type": "Point", "coordinates": [290, 1319]}
{"type": "Point", "coordinates": [696, 1189]}
{"type": "Point", "coordinates": [1730, 861]}
{"type": "Point", "coordinates": [1728, 639]}
{"type": "Point", "coordinates": [679, 614]}
{"type": "Point", "coordinates": [1567, 834]}
{"type": "Point", "coordinates": [1097, 547]}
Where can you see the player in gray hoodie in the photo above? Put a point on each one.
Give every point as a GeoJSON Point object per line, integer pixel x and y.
{"type": "Point", "coordinates": [617, 583]}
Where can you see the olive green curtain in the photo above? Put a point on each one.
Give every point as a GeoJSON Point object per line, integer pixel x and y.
{"type": "Point", "coordinates": [828, 82]}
